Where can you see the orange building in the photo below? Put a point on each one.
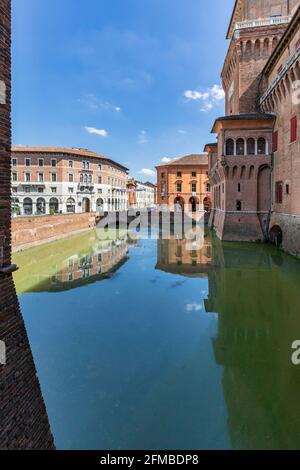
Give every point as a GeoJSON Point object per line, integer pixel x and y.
{"type": "Point", "coordinates": [184, 181]}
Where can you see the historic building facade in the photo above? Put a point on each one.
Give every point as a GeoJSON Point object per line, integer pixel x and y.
{"type": "Point", "coordinates": [24, 422]}
{"type": "Point", "coordinates": [61, 180]}
{"type": "Point", "coordinates": [141, 195]}
{"type": "Point", "coordinates": [243, 163]}
{"type": "Point", "coordinates": [184, 181]}
{"type": "Point", "coordinates": [280, 94]}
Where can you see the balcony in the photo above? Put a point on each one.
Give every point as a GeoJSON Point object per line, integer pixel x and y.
{"type": "Point", "coordinates": [85, 188]}
{"type": "Point", "coordinates": [272, 21]}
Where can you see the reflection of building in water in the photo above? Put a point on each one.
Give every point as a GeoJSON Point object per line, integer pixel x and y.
{"type": "Point", "coordinates": [179, 256]}
{"type": "Point", "coordinates": [255, 292]}
{"type": "Point", "coordinates": [93, 266]}
{"type": "Point", "coordinates": [23, 417]}
{"type": "Point", "coordinates": [69, 263]}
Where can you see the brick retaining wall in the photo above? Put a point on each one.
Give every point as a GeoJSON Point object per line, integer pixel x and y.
{"type": "Point", "coordinates": [32, 231]}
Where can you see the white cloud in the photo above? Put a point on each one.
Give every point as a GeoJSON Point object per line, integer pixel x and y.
{"type": "Point", "coordinates": [182, 132]}
{"type": "Point", "coordinates": [195, 95]}
{"type": "Point", "coordinates": [93, 102]}
{"type": "Point", "coordinates": [143, 138]}
{"type": "Point", "coordinates": [209, 98]}
{"type": "Point", "coordinates": [94, 130]}
{"type": "Point", "coordinates": [217, 92]}
{"type": "Point", "coordinates": [165, 160]}
{"type": "Point", "coordinates": [194, 307]}
{"type": "Point", "coordinates": [147, 172]}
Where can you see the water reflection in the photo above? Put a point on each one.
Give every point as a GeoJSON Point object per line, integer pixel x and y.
{"type": "Point", "coordinates": [254, 289]}
{"type": "Point", "coordinates": [177, 257]}
{"type": "Point", "coordinates": [183, 349]}
{"type": "Point", "coordinates": [70, 263]}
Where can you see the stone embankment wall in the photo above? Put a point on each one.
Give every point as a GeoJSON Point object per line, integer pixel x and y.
{"type": "Point", "coordinates": [35, 230]}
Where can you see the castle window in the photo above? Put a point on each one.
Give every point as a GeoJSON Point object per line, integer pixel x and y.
{"type": "Point", "coordinates": [229, 147]}
{"type": "Point", "coordinates": [240, 147]}
{"type": "Point", "coordinates": [294, 129]}
{"type": "Point", "coordinates": [251, 147]}
{"type": "Point", "coordinates": [238, 206]}
{"type": "Point", "coordinates": [278, 192]}
{"type": "Point", "coordinates": [179, 174]}
{"type": "Point", "coordinates": [239, 187]}
{"type": "Point", "coordinates": [194, 187]}
{"type": "Point", "coordinates": [287, 189]}
{"type": "Point", "coordinates": [261, 146]}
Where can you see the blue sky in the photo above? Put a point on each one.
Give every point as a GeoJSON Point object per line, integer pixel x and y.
{"type": "Point", "coordinates": [137, 80]}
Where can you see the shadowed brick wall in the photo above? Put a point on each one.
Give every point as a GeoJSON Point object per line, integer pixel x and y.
{"type": "Point", "coordinates": [23, 417]}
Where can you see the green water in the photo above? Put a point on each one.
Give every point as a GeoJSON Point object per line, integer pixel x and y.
{"type": "Point", "coordinates": [143, 344]}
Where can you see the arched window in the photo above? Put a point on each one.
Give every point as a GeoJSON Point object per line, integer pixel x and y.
{"type": "Point", "coordinates": [250, 146]}
{"type": "Point", "coordinates": [234, 171]}
{"type": "Point", "coordinates": [274, 42]}
{"type": "Point", "coordinates": [100, 205]}
{"type": "Point", "coordinates": [243, 172]}
{"type": "Point", "coordinates": [251, 171]}
{"type": "Point", "coordinates": [248, 49]}
{"type": "Point", "coordinates": [257, 48]}
{"type": "Point", "coordinates": [41, 206]}
{"type": "Point", "coordinates": [266, 47]}
{"type": "Point", "coordinates": [240, 147]}
{"type": "Point", "coordinates": [71, 206]}
{"type": "Point", "coordinates": [229, 147]}
{"type": "Point", "coordinates": [27, 206]}
{"type": "Point", "coordinates": [261, 146]}
{"type": "Point", "coordinates": [53, 205]}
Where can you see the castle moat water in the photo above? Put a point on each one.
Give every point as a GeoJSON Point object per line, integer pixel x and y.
{"type": "Point", "coordinates": [143, 344]}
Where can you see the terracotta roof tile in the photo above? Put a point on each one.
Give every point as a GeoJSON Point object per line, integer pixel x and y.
{"type": "Point", "coordinates": [194, 159]}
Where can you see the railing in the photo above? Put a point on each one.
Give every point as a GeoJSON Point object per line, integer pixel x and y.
{"type": "Point", "coordinates": [280, 75]}
{"type": "Point", "coordinates": [276, 20]}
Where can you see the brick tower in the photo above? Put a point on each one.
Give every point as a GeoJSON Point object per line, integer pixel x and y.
{"type": "Point", "coordinates": [23, 417]}
{"type": "Point", "coordinates": [241, 161]}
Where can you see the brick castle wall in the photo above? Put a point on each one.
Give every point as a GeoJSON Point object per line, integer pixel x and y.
{"type": "Point", "coordinates": [23, 417]}
{"type": "Point", "coordinates": [32, 231]}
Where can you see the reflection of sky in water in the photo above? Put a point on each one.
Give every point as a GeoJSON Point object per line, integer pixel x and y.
{"type": "Point", "coordinates": [128, 362]}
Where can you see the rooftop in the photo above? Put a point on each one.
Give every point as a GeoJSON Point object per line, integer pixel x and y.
{"type": "Point", "coordinates": [194, 159]}
{"type": "Point", "coordinates": [244, 117]}
{"type": "Point", "coordinates": [78, 152]}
